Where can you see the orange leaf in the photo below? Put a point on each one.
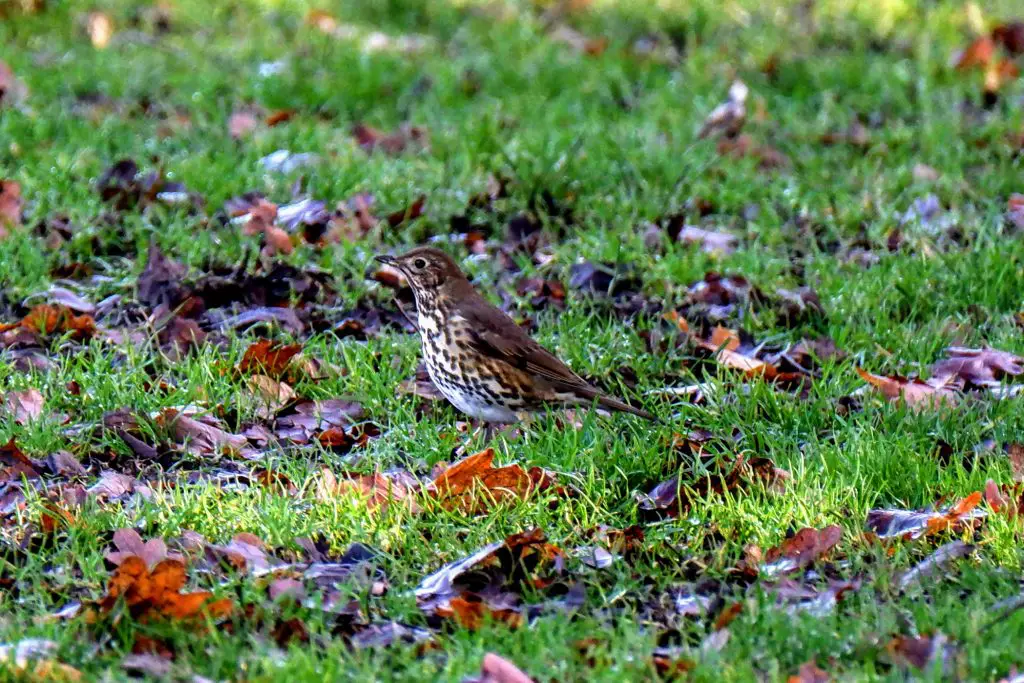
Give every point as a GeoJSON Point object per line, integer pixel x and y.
{"type": "Point", "coordinates": [979, 53]}
{"type": "Point", "coordinates": [915, 393]}
{"type": "Point", "coordinates": [268, 358]}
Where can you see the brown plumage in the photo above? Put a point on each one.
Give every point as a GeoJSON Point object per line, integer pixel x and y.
{"type": "Point", "coordinates": [484, 363]}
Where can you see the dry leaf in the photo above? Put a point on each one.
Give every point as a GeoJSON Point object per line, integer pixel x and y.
{"type": "Point", "coordinates": [10, 203]}
{"type": "Point", "coordinates": [918, 395]}
{"type": "Point", "coordinates": [157, 594]}
{"type": "Point", "coordinates": [913, 524]}
{"type": "Point", "coordinates": [242, 123]}
{"type": "Point", "coordinates": [474, 484]}
{"type": "Point", "coordinates": [269, 358]}
{"type": "Point", "coordinates": [24, 406]}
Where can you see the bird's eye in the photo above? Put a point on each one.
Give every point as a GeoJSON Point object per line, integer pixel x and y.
{"type": "Point", "coordinates": [419, 264]}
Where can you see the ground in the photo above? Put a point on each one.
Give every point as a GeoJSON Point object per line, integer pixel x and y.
{"type": "Point", "coordinates": [871, 180]}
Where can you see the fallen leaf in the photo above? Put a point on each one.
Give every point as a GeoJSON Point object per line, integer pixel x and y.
{"type": "Point", "coordinates": [378, 489]}
{"type": "Point", "coordinates": [276, 118]}
{"type": "Point", "coordinates": [797, 598]}
{"type": "Point", "coordinates": [1011, 36]}
{"type": "Point", "coordinates": [394, 143]}
{"type": "Point", "coordinates": [675, 496]}
{"type": "Point", "coordinates": [242, 123]}
{"type": "Point", "coordinates": [801, 550]}
{"type": "Point", "coordinates": [10, 203]}
{"type": "Point", "coordinates": [1015, 210]}
{"type": "Point", "coordinates": [473, 484]}
{"type": "Point", "coordinates": [925, 173]}
{"type": "Point", "coordinates": [155, 594]}
{"type": "Point", "coordinates": [244, 553]}
{"type": "Point", "coordinates": [160, 283]}
{"type": "Point", "coordinates": [269, 358]}
{"type": "Point", "coordinates": [980, 367]}
{"type": "Point", "coordinates": [201, 438]}
{"type": "Point", "coordinates": [32, 659]}
{"type": "Point", "coordinates": [922, 652]}
{"type": "Point", "coordinates": [913, 524]}
{"type": "Point", "coordinates": [496, 669]}
{"type": "Point", "coordinates": [471, 612]}
{"type": "Point", "coordinates": [515, 563]}
{"type": "Point", "coordinates": [709, 241]}
{"type": "Point", "coordinates": [810, 673]}
{"type": "Point", "coordinates": [935, 562]}
{"type": "Point", "coordinates": [583, 44]}
{"type": "Point", "coordinates": [918, 395]}
{"type": "Point", "coordinates": [24, 406]}
{"type": "Point", "coordinates": [13, 92]}
{"type": "Point", "coordinates": [130, 544]}
{"type": "Point", "coordinates": [14, 464]}
{"type": "Point", "coordinates": [999, 74]}
{"type": "Point", "coordinates": [285, 161]}
{"type": "Point", "coordinates": [979, 53]}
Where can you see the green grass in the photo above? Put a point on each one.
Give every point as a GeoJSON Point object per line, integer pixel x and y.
{"type": "Point", "coordinates": [614, 137]}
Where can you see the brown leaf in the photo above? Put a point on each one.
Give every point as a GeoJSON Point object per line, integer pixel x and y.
{"type": "Point", "coordinates": [496, 669]}
{"type": "Point", "coordinates": [10, 201]}
{"type": "Point", "coordinates": [675, 496]}
{"type": "Point", "coordinates": [160, 282]}
{"type": "Point", "coordinates": [918, 395]}
{"type": "Point", "coordinates": [518, 561]}
{"type": "Point", "coordinates": [379, 489]}
{"type": "Point", "coordinates": [471, 612]}
{"type": "Point", "coordinates": [241, 123]}
{"type": "Point", "coordinates": [276, 118]}
{"type": "Point", "coordinates": [810, 673]}
{"type": "Point", "coordinates": [155, 594]}
{"type": "Point", "coordinates": [584, 44]}
{"type": "Point", "coordinates": [1015, 209]}
{"type": "Point", "coordinates": [52, 319]}
{"type": "Point", "coordinates": [709, 241]}
{"type": "Point", "coordinates": [978, 54]}
{"type": "Point", "coordinates": [934, 562]}
{"type": "Point", "coordinates": [411, 212]}
{"type": "Point", "coordinates": [473, 484]}
{"type": "Point", "coordinates": [12, 90]}
{"type": "Point", "coordinates": [406, 137]}
{"type": "Point", "coordinates": [999, 74]}
{"type": "Point", "coordinates": [24, 406]}
{"type": "Point", "coordinates": [201, 437]}
{"type": "Point", "coordinates": [922, 652]}
{"type": "Point", "coordinates": [1011, 37]}
{"type": "Point", "coordinates": [14, 464]}
{"type": "Point", "coordinates": [130, 544]}
{"type": "Point", "coordinates": [801, 550]}
{"type": "Point", "coordinates": [31, 659]}
{"type": "Point", "coordinates": [981, 367]}
{"type": "Point", "coordinates": [278, 241]}
{"type": "Point", "coordinates": [913, 524]}
{"type": "Point", "coordinates": [1015, 453]}
{"type": "Point", "coordinates": [269, 358]}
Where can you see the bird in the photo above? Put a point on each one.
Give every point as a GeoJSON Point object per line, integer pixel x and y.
{"type": "Point", "coordinates": [485, 364]}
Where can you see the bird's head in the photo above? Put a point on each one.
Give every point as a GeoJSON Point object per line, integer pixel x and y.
{"type": "Point", "coordinates": [426, 269]}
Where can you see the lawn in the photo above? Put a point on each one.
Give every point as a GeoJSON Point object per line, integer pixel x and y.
{"type": "Point", "coordinates": [228, 376]}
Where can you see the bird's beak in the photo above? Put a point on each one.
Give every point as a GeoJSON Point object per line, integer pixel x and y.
{"type": "Point", "coordinates": [387, 260]}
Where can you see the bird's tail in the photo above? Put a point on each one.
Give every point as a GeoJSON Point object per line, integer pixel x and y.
{"type": "Point", "coordinates": [612, 403]}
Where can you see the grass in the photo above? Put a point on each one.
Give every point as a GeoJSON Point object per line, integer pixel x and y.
{"type": "Point", "coordinates": [614, 136]}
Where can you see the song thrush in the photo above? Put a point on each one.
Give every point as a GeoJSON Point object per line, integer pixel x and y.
{"type": "Point", "coordinates": [478, 357]}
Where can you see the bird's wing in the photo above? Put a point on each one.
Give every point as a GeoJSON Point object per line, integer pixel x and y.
{"type": "Point", "coordinates": [496, 335]}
